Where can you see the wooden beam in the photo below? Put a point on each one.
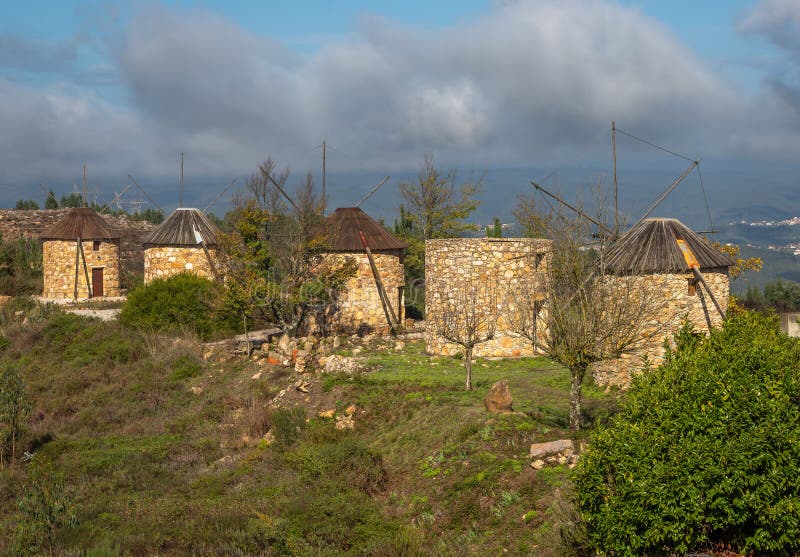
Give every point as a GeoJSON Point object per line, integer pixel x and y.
{"type": "Point", "coordinates": [391, 318]}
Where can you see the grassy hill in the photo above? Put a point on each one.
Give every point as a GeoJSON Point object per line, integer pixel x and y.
{"type": "Point", "coordinates": [155, 451]}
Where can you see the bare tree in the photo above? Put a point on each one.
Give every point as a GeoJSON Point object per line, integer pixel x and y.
{"type": "Point", "coordinates": [580, 314]}
{"type": "Point", "coordinates": [465, 315]}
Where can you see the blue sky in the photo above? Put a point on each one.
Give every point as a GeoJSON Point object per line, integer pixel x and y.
{"type": "Point", "coordinates": [126, 86]}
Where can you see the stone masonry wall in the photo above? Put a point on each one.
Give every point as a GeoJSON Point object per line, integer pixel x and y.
{"type": "Point", "coordinates": [671, 303]}
{"type": "Point", "coordinates": [360, 308]}
{"type": "Point", "coordinates": [58, 263]}
{"type": "Point", "coordinates": [491, 271]}
{"type": "Point", "coordinates": [166, 261]}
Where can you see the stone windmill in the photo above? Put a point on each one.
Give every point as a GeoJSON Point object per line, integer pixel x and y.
{"type": "Point", "coordinates": [80, 257]}
{"type": "Point", "coordinates": [187, 241]}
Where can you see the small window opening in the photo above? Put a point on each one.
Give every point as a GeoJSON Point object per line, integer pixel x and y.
{"type": "Point", "coordinates": [96, 245]}
{"type": "Point", "coordinates": [692, 290]}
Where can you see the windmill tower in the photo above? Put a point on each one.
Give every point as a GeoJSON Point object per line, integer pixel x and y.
{"type": "Point", "coordinates": [80, 257]}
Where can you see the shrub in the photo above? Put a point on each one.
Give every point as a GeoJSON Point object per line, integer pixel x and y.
{"type": "Point", "coordinates": [706, 450]}
{"type": "Point", "coordinates": [178, 303]}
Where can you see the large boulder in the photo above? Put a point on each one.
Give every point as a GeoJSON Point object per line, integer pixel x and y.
{"type": "Point", "coordinates": [498, 400]}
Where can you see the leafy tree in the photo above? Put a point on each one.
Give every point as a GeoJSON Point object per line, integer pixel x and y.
{"type": "Point", "coordinates": [434, 206]}
{"type": "Point", "coordinates": [705, 453]}
{"type": "Point", "coordinates": [27, 205]}
{"type": "Point", "coordinates": [51, 202]}
{"type": "Point", "coordinates": [72, 200]}
{"type": "Point", "coordinates": [14, 408]}
{"type": "Point", "coordinates": [740, 265]}
{"type": "Point", "coordinates": [496, 230]}
{"type": "Point", "coordinates": [153, 216]}
{"type": "Point", "coordinates": [276, 273]}
{"type": "Point", "coordinates": [47, 507]}
{"type": "Point", "coordinates": [20, 266]}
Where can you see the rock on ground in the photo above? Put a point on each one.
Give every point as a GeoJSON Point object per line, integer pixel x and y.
{"type": "Point", "coordinates": [498, 400]}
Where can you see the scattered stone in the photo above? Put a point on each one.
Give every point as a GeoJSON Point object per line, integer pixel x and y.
{"type": "Point", "coordinates": [399, 346]}
{"type": "Point", "coordinates": [356, 350]}
{"type": "Point", "coordinates": [562, 459]}
{"type": "Point", "coordinates": [540, 450]}
{"type": "Point", "coordinates": [283, 343]}
{"type": "Point", "coordinates": [197, 390]}
{"type": "Point", "coordinates": [345, 422]}
{"type": "Point", "coordinates": [274, 358]}
{"type": "Point", "coordinates": [268, 438]}
{"type": "Point", "coordinates": [350, 410]}
{"type": "Point", "coordinates": [256, 376]}
{"type": "Point", "coordinates": [301, 361]}
{"type": "Point", "coordinates": [498, 400]}
{"type": "Point", "coordinates": [537, 464]}
{"type": "Point", "coordinates": [342, 364]}
{"type": "Point", "coordinates": [327, 413]}
{"type": "Point", "coordinates": [303, 386]}
{"type": "Point", "coordinates": [337, 342]}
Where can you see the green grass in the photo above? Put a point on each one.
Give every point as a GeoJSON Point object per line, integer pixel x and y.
{"type": "Point", "coordinates": [156, 468]}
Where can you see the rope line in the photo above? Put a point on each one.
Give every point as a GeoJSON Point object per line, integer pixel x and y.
{"type": "Point", "coordinates": [684, 157]}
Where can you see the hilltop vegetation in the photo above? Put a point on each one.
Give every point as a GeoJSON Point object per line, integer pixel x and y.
{"type": "Point", "coordinates": [137, 445]}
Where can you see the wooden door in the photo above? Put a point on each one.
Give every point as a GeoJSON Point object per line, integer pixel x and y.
{"type": "Point", "coordinates": [97, 282]}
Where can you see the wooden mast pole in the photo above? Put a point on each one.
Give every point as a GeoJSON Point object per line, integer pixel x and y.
{"type": "Point", "coordinates": [388, 310]}
{"type": "Point", "coordinates": [614, 152]}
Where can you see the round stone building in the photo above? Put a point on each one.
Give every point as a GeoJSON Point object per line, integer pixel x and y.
{"type": "Point", "coordinates": [360, 307]}
{"type": "Point", "coordinates": [187, 241]}
{"type": "Point", "coordinates": [649, 259]}
{"type": "Point", "coordinates": [80, 257]}
{"type": "Point", "coordinates": [493, 274]}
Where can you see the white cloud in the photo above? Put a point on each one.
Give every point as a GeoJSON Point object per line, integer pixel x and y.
{"type": "Point", "coordinates": [529, 83]}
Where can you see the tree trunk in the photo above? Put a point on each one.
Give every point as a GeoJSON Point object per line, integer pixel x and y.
{"type": "Point", "coordinates": [468, 367]}
{"type": "Point", "coordinates": [575, 397]}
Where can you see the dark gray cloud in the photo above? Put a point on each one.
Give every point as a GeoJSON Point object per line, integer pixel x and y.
{"type": "Point", "coordinates": [533, 83]}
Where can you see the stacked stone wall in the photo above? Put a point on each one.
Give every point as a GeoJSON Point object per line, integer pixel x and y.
{"type": "Point", "coordinates": [496, 274]}
{"type": "Point", "coordinates": [359, 304]}
{"type": "Point", "coordinates": [668, 303]}
{"type": "Point", "coordinates": [58, 264]}
{"type": "Point", "coordinates": [166, 261]}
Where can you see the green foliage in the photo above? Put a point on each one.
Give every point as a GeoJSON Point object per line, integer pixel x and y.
{"type": "Point", "coordinates": [20, 266]}
{"type": "Point", "coordinates": [433, 207]}
{"type": "Point", "coordinates": [287, 425]}
{"type": "Point", "coordinates": [71, 200]}
{"type": "Point", "coordinates": [185, 367]}
{"type": "Point", "coordinates": [780, 295]}
{"type": "Point", "coordinates": [46, 508]}
{"type": "Point", "coordinates": [184, 302]}
{"type": "Point", "coordinates": [153, 216]}
{"type": "Point", "coordinates": [706, 451]}
{"type": "Point", "coordinates": [27, 205]}
{"type": "Point", "coordinates": [51, 202]}
{"type": "Point", "coordinates": [14, 410]}
{"type": "Point", "coordinates": [275, 271]}
{"type": "Point", "coordinates": [496, 230]}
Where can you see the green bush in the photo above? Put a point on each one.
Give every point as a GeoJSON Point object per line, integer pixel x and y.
{"type": "Point", "coordinates": [706, 451]}
{"type": "Point", "coordinates": [180, 303]}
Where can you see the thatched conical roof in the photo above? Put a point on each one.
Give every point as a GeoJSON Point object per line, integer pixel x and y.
{"type": "Point", "coordinates": [179, 229]}
{"type": "Point", "coordinates": [83, 223]}
{"type": "Point", "coordinates": [650, 247]}
{"type": "Point", "coordinates": [342, 227]}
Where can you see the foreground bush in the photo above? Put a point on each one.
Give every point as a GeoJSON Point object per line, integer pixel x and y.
{"type": "Point", "coordinates": [706, 452]}
{"type": "Point", "coordinates": [183, 302]}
